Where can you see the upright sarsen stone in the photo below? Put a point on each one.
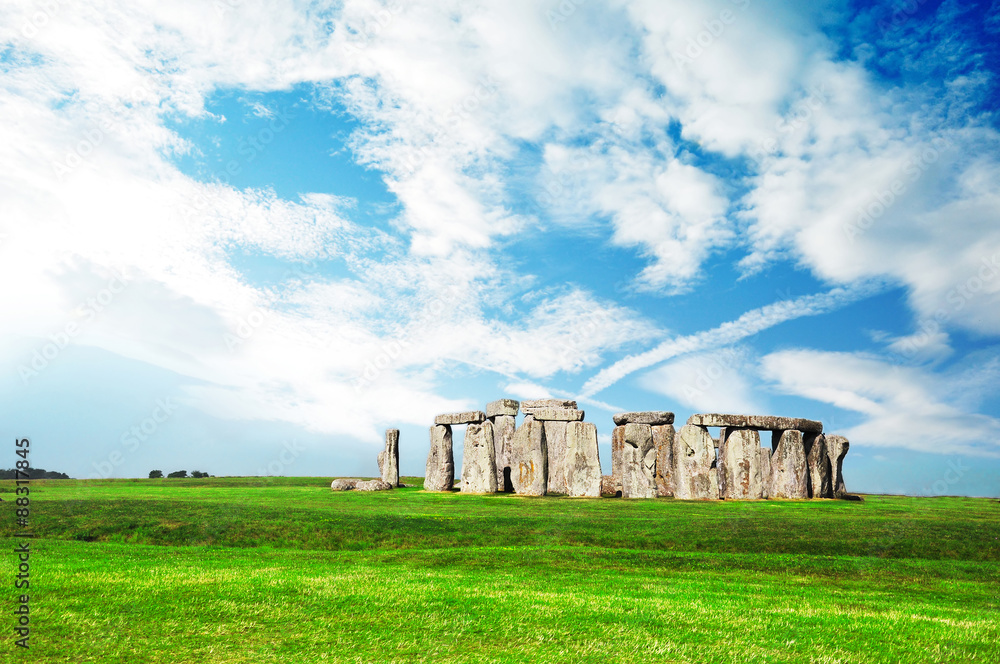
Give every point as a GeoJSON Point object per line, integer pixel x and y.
{"type": "Point", "coordinates": [479, 470]}
{"type": "Point", "coordinates": [663, 441]}
{"type": "Point", "coordinates": [789, 470]}
{"type": "Point", "coordinates": [739, 465]}
{"type": "Point", "coordinates": [530, 459]}
{"type": "Point", "coordinates": [765, 469]}
{"type": "Point", "coordinates": [617, 443]}
{"type": "Point", "coordinates": [555, 444]}
{"type": "Point", "coordinates": [695, 473]}
{"type": "Point", "coordinates": [503, 441]}
{"type": "Point", "coordinates": [440, 472]}
{"type": "Point", "coordinates": [836, 448]}
{"type": "Point", "coordinates": [638, 462]}
{"type": "Point", "coordinates": [818, 462]}
{"type": "Point", "coordinates": [389, 459]}
{"type": "Point", "coordinates": [583, 464]}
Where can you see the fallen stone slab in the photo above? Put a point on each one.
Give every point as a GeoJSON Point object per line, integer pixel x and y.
{"type": "Point", "coordinates": [440, 472]}
{"type": "Point", "coordinates": [766, 422]}
{"type": "Point", "coordinates": [789, 468]}
{"type": "Point", "coordinates": [638, 462]}
{"type": "Point", "coordinates": [836, 449]}
{"type": "Point", "coordinates": [739, 465]}
{"type": "Point", "coordinates": [471, 417]}
{"type": "Point", "coordinates": [342, 484]}
{"type": "Point", "coordinates": [818, 463]}
{"type": "Point", "coordinates": [557, 415]}
{"type": "Point", "coordinates": [389, 458]}
{"type": "Point", "coordinates": [695, 473]}
{"type": "Point", "coordinates": [372, 485]}
{"type": "Point", "coordinates": [502, 407]}
{"type": "Point", "coordinates": [555, 446]}
{"type": "Point", "coordinates": [650, 417]}
{"type": "Point", "coordinates": [529, 473]}
{"type": "Point", "coordinates": [527, 407]}
{"type": "Point", "coordinates": [479, 469]}
{"type": "Point", "coordinates": [583, 464]}
{"type": "Point", "coordinates": [663, 441]}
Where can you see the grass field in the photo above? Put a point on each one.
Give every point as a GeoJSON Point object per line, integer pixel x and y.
{"type": "Point", "coordinates": [284, 570]}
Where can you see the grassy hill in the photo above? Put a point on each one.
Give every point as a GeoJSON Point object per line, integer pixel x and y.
{"type": "Point", "coordinates": [283, 569]}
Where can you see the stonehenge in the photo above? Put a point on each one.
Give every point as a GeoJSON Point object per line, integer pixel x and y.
{"type": "Point", "coordinates": [555, 451]}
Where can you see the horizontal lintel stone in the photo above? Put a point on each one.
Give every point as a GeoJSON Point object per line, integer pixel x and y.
{"type": "Point", "coordinates": [651, 417]}
{"type": "Point", "coordinates": [766, 422]}
{"type": "Point", "coordinates": [557, 415]}
{"type": "Point", "coordinates": [527, 407]}
{"type": "Point", "coordinates": [471, 417]}
{"type": "Point", "coordinates": [502, 407]}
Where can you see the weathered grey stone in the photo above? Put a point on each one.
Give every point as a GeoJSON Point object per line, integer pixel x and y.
{"type": "Point", "coordinates": [608, 487]}
{"type": "Point", "coordinates": [695, 475]}
{"type": "Point", "coordinates": [638, 462]}
{"type": "Point", "coordinates": [789, 470]}
{"type": "Point", "coordinates": [381, 462]}
{"type": "Point", "coordinates": [502, 407]}
{"type": "Point", "coordinates": [479, 461]}
{"type": "Point", "coordinates": [343, 484]}
{"type": "Point", "coordinates": [617, 443]}
{"type": "Point", "coordinates": [527, 407]}
{"type": "Point", "coordinates": [818, 462]}
{"type": "Point", "coordinates": [650, 417]}
{"type": "Point", "coordinates": [765, 470]}
{"type": "Point", "coordinates": [389, 459]}
{"type": "Point", "coordinates": [555, 444]}
{"type": "Point", "coordinates": [663, 441]}
{"type": "Point", "coordinates": [471, 417]}
{"type": "Point", "coordinates": [557, 415]}
{"type": "Point", "coordinates": [766, 422]}
{"type": "Point", "coordinates": [530, 460]}
{"type": "Point", "coordinates": [739, 465]}
{"type": "Point", "coordinates": [583, 464]}
{"type": "Point", "coordinates": [504, 427]}
{"type": "Point", "coordinates": [440, 472]}
{"type": "Point", "coordinates": [836, 448]}
{"type": "Point", "coordinates": [372, 485]}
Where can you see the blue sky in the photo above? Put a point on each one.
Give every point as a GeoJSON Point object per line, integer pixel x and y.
{"type": "Point", "coordinates": [246, 237]}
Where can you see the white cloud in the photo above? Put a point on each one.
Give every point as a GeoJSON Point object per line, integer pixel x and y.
{"type": "Point", "coordinates": [719, 381]}
{"type": "Point", "coordinates": [903, 406]}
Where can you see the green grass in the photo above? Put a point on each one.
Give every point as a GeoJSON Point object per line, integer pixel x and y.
{"type": "Point", "coordinates": [284, 570]}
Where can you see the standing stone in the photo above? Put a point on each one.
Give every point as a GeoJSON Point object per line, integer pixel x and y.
{"type": "Point", "coordinates": [818, 462]}
{"type": "Point", "coordinates": [479, 465]}
{"type": "Point", "coordinates": [389, 459]}
{"type": "Point", "coordinates": [617, 444]}
{"type": "Point", "coordinates": [695, 473]}
{"type": "Point", "coordinates": [663, 441]}
{"type": "Point", "coordinates": [765, 470]}
{"type": "Point", "coordinates": [638, 462]}
{"type": "Point", "coordinates": [836, 449]}
{"type": "Point", "coordinates": [530, 459]}
{"type": "Point", "coordinates": [504, 427]}
{"type": "Point", "coordinates": [555, 444]}
{"type": "Point", "coordinates": [583, 464]}
{"type": "Point", "coordinates": [381, 461]}
{"type": "Point", "coordinates": [608, 487]}
{"type": "Point", "coordinates": [440, 472]}
{"type": "Point", "coordinates": [789, 469]}
{"type": "Point", "coordinates": [739, 465]}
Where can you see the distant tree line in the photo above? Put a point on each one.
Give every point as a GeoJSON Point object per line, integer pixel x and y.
{"type": "Point", "coordinates": [157, 474]}
{"type": "Point", "coordinates": [33, 473]}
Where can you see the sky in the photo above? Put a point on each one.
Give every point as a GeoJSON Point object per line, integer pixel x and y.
{"type": "Point", "coordinates": [247, 236]}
